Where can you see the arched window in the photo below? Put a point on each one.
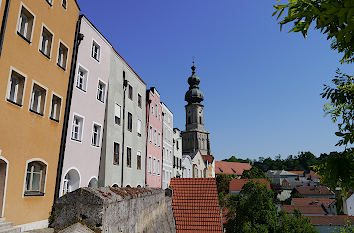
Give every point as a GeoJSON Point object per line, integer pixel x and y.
{"type": "Point", "coordinates": [35, 178]}
{"type": "Point", "coordinates": [189, 119]}
{"type": "Point", "coordinates": [93, 183]}
{"type": "Point", "coordinates": [71, 181]}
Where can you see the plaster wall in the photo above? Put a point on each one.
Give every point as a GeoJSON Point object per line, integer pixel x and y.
{"type": "Point", "coordinates": [154, 143]}
{"type": "Point", "coordinates": [17, 123]}
{"type": "Point", "coordinates": [187, 167]}
{"type": "Point", "coordinates": [167, 166]}
{"type": "Point", "coordinates": [199, 166]}
{"type": "Point", "coordinates": [177, 151]}
{"type": "Point", "coordinates": [82, 155]}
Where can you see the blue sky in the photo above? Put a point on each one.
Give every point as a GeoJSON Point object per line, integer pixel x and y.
{"type": "Point", "coordinates": [261, 86]}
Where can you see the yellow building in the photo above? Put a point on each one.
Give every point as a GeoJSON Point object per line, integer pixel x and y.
{"type": "Point", "coordinates": [36, 44]}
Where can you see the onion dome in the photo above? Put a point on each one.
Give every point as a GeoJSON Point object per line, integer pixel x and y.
{"type": "Point", "coordinates": [194, 94]}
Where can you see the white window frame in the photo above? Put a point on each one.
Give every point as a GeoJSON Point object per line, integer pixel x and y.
{"type": "Point", "coordinates": [158, 167]}
{"type": "Point", "coordinates": [120, 114]}
{"type": "Point", "coordinates": [99, 134]}
{"type": "Point", "coordinates": [150, 133]}
{"type": "Point", "coordinates": [138, 127]}
{"type": "Point", "coordinates": [45, 99]}
{"type": "Point", "coordinates": [81, 134]}
{"type": "Point", "coordinates": [50, 2]}
{"type": "Point", "coordinates": [150, 165]}
{"type": "Point", "coordinates": [154, 166]}
{"type": "Point", "coordinates": [141, 158]}
{"type": "Point", "coordinates": [51, 105]}
{"type": "Point", "coordinates": [18, 20]}
{"type": "Point", "coordinates": [86, 78]}
{"type": "Point", "coordinates": [41, 38]}
{"type": "Point", "coordinates": [25, 175]}
{"type": "Point", "coordinates": [100, 52]}
{"type": "Point", "coordinates": [7, 96]}
{"type": "Point", "coordinates": [67, 55]}
{"type": "Point", "coordinates": [66, 4]}
{"type": "Point", "coordinates": [104, 91]}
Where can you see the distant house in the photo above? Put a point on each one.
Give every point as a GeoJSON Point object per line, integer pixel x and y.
{"type": "Point", "coordinates": [315, 210]}
{"type": "Point", "coordinates": [348, 204]}
{"type": "Point", "coordinates": [313, 192]}
{"type": "Point", "coordinates": [312, 206]}
{"type": "Point", "coordinates": [314, 177]}
{"type": "Point", "coordinates": [210, 165]}
{"type": "Point", "coordinates": [327, 224]}
{"type": "Point", "coordinates": [287, 179]}
{"type": "Point", "coordinates": [187, 166]}
{"type": "Point", "coordinates": [231, 168]}
{"type": "Point", "coordinates": [236, 185]}
{"type": "Point", "coordinates": [195, 205]}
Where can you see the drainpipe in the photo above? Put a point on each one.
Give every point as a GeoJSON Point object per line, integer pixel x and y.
{"type": "Point", "coordinates": [147, 137]}
{"type": "Point", "coordinates": [163, 118]}
{"type": "Point", "coordinates": [3, 24]}
{"type": "Point", "coordinates": [78, 38]}
{"type": "Point", "coordinates": [125, 84]}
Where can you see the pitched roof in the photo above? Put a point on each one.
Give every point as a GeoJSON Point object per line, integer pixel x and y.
{"type": "Point", "coordinates": [208, 158]}
{"type": "Point", "coordinates": [223, 167]}
{"type": "Point", "coordinates": [311, 201]}
{"type": "Point", "coordinates": [336, 220]}
{"type": "Point", "coordinates": [280, 173]}
{"type": "Point", "coordinates": [300, 173]}
{"type": "Point", "coordinates": [317, 190]}
{"type": "Point", "coordinates": [237, 184]}
{"type": "Point", "coordinates": [315, 175]}
{"type": "Point", "coordinates": [314, 209]}
{"type": "Point", "coordinates": [195, 205]}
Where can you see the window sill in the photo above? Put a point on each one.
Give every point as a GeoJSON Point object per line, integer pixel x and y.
{"type": "Point", "coordinates": [63, 6]}
{"type": "Point", "coordinates": [96, 59]}
{"type": "Point", "coordinates": [23, 37]}
{"type": "Point", "coordinates": [13, 102]}
{"type": "Point", "coordinates": [33, 194]}
{"type": "Point", "coordinates": [76, 140]}
{"type": "Point", "coordinates": [96, 146]}
{"type": "Point", "coordinates": [130, 130]}
{"type": "Point", "coordinates": [61, 67]}
{"type": "Point", "coordinates": [101, 101]}
{"type": "Point", "coordinates": [47, 56]}
{"type": "Point", "coordinates": [50, 4]}
{"type": "Point", "coordinates": [80, 88]}
{"type": "Point", "coordinates": [117, 164]}
{"type": "Point", "coordinates": [54, 119]}
{"type": "Point", "coordinates": [139, 134]}
{"type": "Point", "coordinates": [40, 114]}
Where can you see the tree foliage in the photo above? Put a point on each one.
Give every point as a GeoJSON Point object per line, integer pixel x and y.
{"type": "Point", "coordinates": [294, 223]}
{"type": "Point", "coordinates": [341, 106]}
{"type": "Point", "coordinates": [347, 228]}
{"type": "Point", "coordinates": [334, 18]}
{"type": "Point", "coordinates": [253, 173]}
{"type": "Point", "coordinates": [223, 182]}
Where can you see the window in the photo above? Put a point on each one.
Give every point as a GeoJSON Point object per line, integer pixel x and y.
{"type": "Point", "coordinates": [130, 92]}
{"type": "Point", "coordinates": [117, 114]}
{"type": "Point", "coordinates": [152, 110]}
{"type": "Point", "coordinates": [96, 51]}
{"type": "Point", "coordinates": [62, 56]}
{"type": "Point", "coordinates": [156, 110]}
{"type": "Point", "coordinates": [25, 24]}
{"type": "Point", "coordinates": [76, 131]}
{"type": "Point", "coordinates": [130, 121]}
{"type": "Point", "coordinates": [154, 167]}
{"type": "Point", "coordinates": [38, 99]}
{"type": "Point", "coordinates": [177, 144]}
{"type": "Point", "coordinates": [81, 79]}
{"type": "Point", "coordinates": [158, 167]}
{"type": "Point", "coordinates": [16, 88]}
{"type": "Point", "coordinates": [159, 139]}
{"type": "Point", "coordinates": [101, 90]}
{"type": "Point", "coordinates": [46, 42]}
{"type": "Point", "coordinates": [35, 178]}
{"type": "Point", "coordinates": [50, 2]}
{"type": "Point", "coordinates": [138, 160]}
{"type": "Point", "coordinates": [129, 157]}
{"type": "Point", "coordinates": [149, 164]}
{"type": "Point", "coordinates": [64, 3]}
{"type": "Point", "coordinates": [155, 137]}
{"type": "Point", "coordinates": [116, 153]}
{"type": "Point", "coordinates": [96, 134]}
{"type": "Point", "coordinates": [139, 101]}
{"type": "Point", "coordinates": [150, 135]}
{"type": "Point", "coordinates": [138, 128]}
{"type": "Point", "coordinates": [56, 106]}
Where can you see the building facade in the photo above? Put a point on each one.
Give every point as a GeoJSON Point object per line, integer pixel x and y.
{"type": "Point", "coordinates": [187, 166]}
{"type": "Point", "coordinates": [36, 44]}
{"type": "Point", "coordinates": [177, 153]}
{"type": "Point", "coordinates": [167, 151]}
{"type": "Point", "coordinates": [87, 110]}
{"type": "Point", "coordinates": [124, 138]}
{"type": "Point", "coordinates": [195, 137]}
{"type": "Point", "coordinates": [199, 167]}
{"type": "Point", "coordinates": [154, 120]}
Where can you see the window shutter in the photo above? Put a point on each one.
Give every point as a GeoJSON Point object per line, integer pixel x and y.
{"type": "Point", "coordinates": [117, 111]}
{"type": "Point", "coordinates": [139, 126]}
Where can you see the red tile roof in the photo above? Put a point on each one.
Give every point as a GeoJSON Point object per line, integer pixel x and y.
{"type": "Point", "coordinates": [223, 167]}
{"type": "Point", "coordinates": [315, 175]}
{"type": "Point", "coordinates": [195, 205]}
{"type": "Point", "coordinates": [317, 190]}
{"type": "Point", "coordinates": [208, 158]}
{"type": "Point", "coordinates": [311, 201]}
{"type": "Point", "coordinates": [300, 173]}
{"type": "Point", "coordinates": [336, 220]}
{"type": "Point", "coordinates": [237, 184]}
{"type": "Point", "coordinates": [315, 209]}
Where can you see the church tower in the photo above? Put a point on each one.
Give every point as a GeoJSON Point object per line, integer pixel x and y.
{"type": "Point", "coordinates": [195, 137]}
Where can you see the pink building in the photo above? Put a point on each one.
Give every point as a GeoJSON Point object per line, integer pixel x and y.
{"type": "Point", "coordinates": [153, 139]}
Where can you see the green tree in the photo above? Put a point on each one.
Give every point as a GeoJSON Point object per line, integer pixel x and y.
{"type": "Point", "coordinates": [294, 223]}
{"type": "Point", "coordinates": [253, 173]}
{"type": "Point", "coordinates": [347, 228]}
{"type": "Point", "coordinates": [252, 210]}
{"type": "Point", "coordinates": [223, 182]}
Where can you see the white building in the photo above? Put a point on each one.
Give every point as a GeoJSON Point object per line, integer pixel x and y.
{"type": "Point", "coordinates": [167, 151]}
{"type": "Point", "coordinates": [187, 166]}
{"type": "Point", "coordinates": [349, 205]}
{"type": "Point", "coordinates": [177, 153]}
